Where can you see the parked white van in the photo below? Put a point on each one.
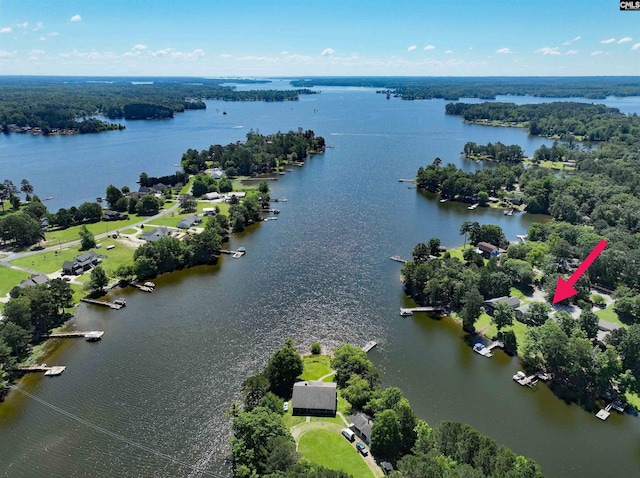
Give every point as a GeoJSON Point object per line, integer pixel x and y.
{"type": "Point", "coordinates": [348, 434]}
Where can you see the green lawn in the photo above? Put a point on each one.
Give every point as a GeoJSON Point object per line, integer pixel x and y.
{"type": "Point", "coordinates": [73, 233]}
{"type": "Point", "coordinates": [315, 366]}
{"type": "Point", "coordinates": [48, 262]}
{"type": "Point", "coordinates": [518, 328]}
{"type": "Point", "coordinates": [330, 449]}
{"type": "Point", "coordinates": [9, 278]}
{"type": "Point", "coordinates": [633, 400]}
{"type": "Point", "coordinates": [609, 315]}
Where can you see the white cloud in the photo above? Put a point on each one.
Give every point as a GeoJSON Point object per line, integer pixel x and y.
{"type": "Point", "coordinates": [139, 47]}
{"type": "Point", "coordinates": [636, 46]}
{"type": "Point", "coordinates": [596, 53]}
{"type": "Point", "coordinates": [39, 26]}
{"type": "Point", "coordinates": [53, 34]}
{"type": "Point", "coordinates": [548, 51]}
{"type": "Point", "coordinates": [412, 47]}
{"type": "Point", "coordinates": [448, 52]}
{"type": "Point", "coordinates": [22, 25]}
{"type": "Point", "coordinates": [571, 41]}
{"type": "Point", "coordinates": [571, 52]}
{"type": "Point", "coordinates": [76, 18]}
{"type": "Point", "coordinates": [36, 52]}
{"type": "Point", "coordinates": [5, 30]}
{"type": "Point", "coordinates": [226, 55]}
{"type": "Point", "coordinates": [43, 38]}
{"type": "Point", "coordinates": [430, 47]}
{"type": "Point", "coordinates": [503, 51]}
{"type": "Point", "coordinates": [175, 54]}
{"type": "Point", "coordinates": [7, 54]}
{"type": "Point", "coordinates": [610, 40]}
{"type": "Point", "coordinates": [284, 52]}
{"type": "Point", "coordinates": [328, 52]}
{"type": "Point", "coordinates": [624, 40]}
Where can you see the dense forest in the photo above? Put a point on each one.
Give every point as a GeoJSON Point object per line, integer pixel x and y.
{"type": "Point", "coordinates": [263, 446]}
{"type": "Point", "coordinates": [51, 104]}
{"type": "Point", "coordinates": [258, 154]}
{"type": "Point", "coordinates": [448, 88]}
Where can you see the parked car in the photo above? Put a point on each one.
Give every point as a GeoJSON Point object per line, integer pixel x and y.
{"type": "Point", "coordinates": [348, 434]}
{"type": "Point", "coordinates": [362, 449]}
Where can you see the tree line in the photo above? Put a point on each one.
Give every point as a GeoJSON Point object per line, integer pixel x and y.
{"type": "Point", "coordinates": [31, 313]}
{"type": "Point", "coordinates": [497, 152]}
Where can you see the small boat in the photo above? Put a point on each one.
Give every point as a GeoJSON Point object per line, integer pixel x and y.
{"type": "Point", "coordinates": [444, 200]}
{"type": "Point", "coordinates": [120, 301]}
{"type": "Point", "coordinates": [242, 249]}
{"type": "Point", "coordinates": [482, 350]}
{"type": "Point", "coordinates": [49, 198]}
{"type": "Point", "coordinates": [151, 285]}
{"type": "Point", "coordinates": [93, 336]}
{"type": "Point", "coordinates": [405, 312]}
{"type": "Point", "coordinates": [99, 199]}
{"type": "Point", "coordinates": [473, 206]}
{"type": "Point", "coordinates": [520, 375]}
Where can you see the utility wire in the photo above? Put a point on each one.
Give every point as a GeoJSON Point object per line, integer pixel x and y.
{"type": "Point", "coordinates": [116, 435]}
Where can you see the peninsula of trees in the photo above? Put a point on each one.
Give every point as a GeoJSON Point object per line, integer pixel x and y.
{"type": "Point", "coordinates": [262, 445]}
{"type": "Point", "coordinates": [48, 105]}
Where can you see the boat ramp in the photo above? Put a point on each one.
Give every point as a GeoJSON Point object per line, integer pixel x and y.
{"type": "Point", "coordinates": [405, 312]}
{"type": "Point", "coordinates": [369, 345]}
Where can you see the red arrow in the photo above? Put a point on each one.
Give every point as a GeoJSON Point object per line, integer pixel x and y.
{"type": "Point", "coordinates": [564, 289]}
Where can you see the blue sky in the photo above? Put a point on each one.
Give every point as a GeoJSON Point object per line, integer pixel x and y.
{"type": "Point", "coordinates": [312, 38]}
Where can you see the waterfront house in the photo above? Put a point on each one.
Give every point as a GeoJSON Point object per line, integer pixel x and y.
{"type": "Point", "coordinates": [34, 280]}
{"type": "Point", "coordinates": [490, 305]}
{"type": "Point", "coordinates": [520, 311]}
{"type": "Point", "coordinates": [487, 249]}
{"type": "Point", "coordinates": [361, 426]}
{"type": "Point", "coordinates": [113, 216]}
{"type": "Point", "coordinates": [81, 263]}
{"type": "Point", "coordinates": [217, 173]}
{"type": "Point", "coordinates": [155, 234]}
{"type": "Point", "coordinates": [188, 222]}
{"type": "Point", "coordinates": [315, 399]}
{"type": "Point", "coordinates": [604, 329]}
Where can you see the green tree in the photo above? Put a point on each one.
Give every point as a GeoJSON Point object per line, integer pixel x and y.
{"type": "Point", "coordinates": [284, 367]}
{"type": "Point", "coordinates": [253, 391]}
{"type": "Point", "coordinates": [434, 246]}
{"type": "Point", "coordinates": [273, 403]}
{"type": "Point", "coordinates": [16, 338]}
{"type": "Point", "coordinates": [420, 253]}
{"type": "Point", "coordinates": [99, 279]}
{"type": "Point", "coordinates": [508, 338]}
{"type": "Point", "coordinates": [87, 240]}
{"type": "Point", "coordinates": [465, 228]}
{"type": "Point", "coordinates": [188, 203]}
{"type": "Point", "coordinates": [537, 314]}
{"type": "Point", "coordinates": [357, 392]}
{"type": "Point", "coordinates": [113, 194]}
{"type": "Point", "coordinates": [471, 310]}
{"type": "Point", "coordinates": [348, 360]}
{"type": "Point", "coordinates": [483, 198]}
{"type": "Point", "coordinates": [316, 348]}
{"type": "Point", "coordinates": [503, 315]}
{"type": "Point", "coordinates": [90, 211]}
{"type": "Point", "coordinates": [148, 205]}
{"type": "Point", "coordinates": [588, 322]}
{"type": "Point", "coordinates": [386, 438]}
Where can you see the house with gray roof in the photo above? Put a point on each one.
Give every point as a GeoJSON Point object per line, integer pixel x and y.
{"type": "Point", "coordinates": [315, 399]}
{"type": "Point", "coordinates": [153, 235]}
{"type": "Point", "coordinates": [490, 305]}
{"type": "Point", "coordinates": [188, 222]}
{"type": "Point", "coordinates": [34, 280]}
{"type": "Point", "coordinates": [361, 426]}
{"type": "Point", "coordinates": [81, 263]}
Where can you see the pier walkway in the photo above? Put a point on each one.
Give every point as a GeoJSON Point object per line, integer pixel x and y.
{"type": "Point", "coordinates": [369, 345]}
{"type": "Point", "coordinates": [89, 335]}
{"type": "Point", "coordinates": [48, 370]}
{"type": "Point", "coordinates": [398, 259]}
{"type": "Point", "coordinates": [404, 312]}
{"type": "Point", "coordinates": [104, 303]}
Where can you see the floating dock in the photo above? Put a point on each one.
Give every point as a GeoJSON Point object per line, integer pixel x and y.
{"type": "Point", "coordinates": [369, 345]}
{"type": "Point", "coordinates": [398, 259]}
{"type": "Point", "coordinates": [604, 414]}
{"type": "Point", "coordinates": [473, 206]}
{"type": "Point", "coordinates": [48, 370]}
{"type": "Point", "coordinates": [143, 288]}
{"type": "Point", "coordinates": [524, 380]}
{"type": "Point", "coordinates": [91, 335]}
{"type": "Point", "coordinates": [405, 312]}
{"type": "Point", "coordinates": [104, 303]}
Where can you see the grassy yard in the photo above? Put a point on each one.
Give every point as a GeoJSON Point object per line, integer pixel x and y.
{"type": "Point", "coordinates": [519, 329]}
{"type": "Point", "coordinates": [609, 315]}
{"type": "Point", "coordinates": [315, 366]}
{"type": "Point", "coordinates": [48, 262]}
{"type": "Point", "coordinates": [329, 448]}
{"type": "Point", "coordinates": [73, 233]}
{"type": "Point", "coordinates": [9, 278]}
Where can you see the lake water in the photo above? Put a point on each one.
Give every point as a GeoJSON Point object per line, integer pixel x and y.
{"type": "Point", "coordinates": [172, 362]}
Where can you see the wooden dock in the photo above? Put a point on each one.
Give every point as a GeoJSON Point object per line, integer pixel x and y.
{"type": "Point", "coordinates": [604, 414]}
{"type": "Point", "coordinates": [524, 380]}
{"type": "Point", "coordinates": [398, 259]}
{"type": "Point", "coordinates": [143, 288]}
{"type": "Point", "coordinates": [104, 303]}
{"type": "Point", "coordinates": [405, 312]}
{"type": "Point", "coordinates": [401, 180]}
{"type": "Point", "coordinates": [234, 254]}
{"type": "Point", "coordinates": [91, 335]}
{"type": "Point", "coordinates": [47, 370]}
{"type": "Point", "coordinates": [369, 345]}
